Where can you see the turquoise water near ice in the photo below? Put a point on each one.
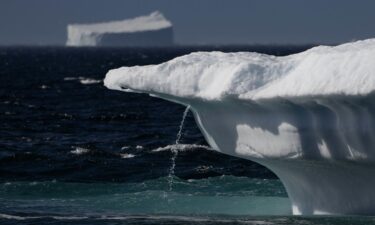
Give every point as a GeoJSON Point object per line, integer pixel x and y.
{"type": "Point", "coordinates": [216, 195]}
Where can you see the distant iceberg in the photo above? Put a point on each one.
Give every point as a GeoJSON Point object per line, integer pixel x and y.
{"type": "Point", "coordinates": [309, 117]}
{"type": "Point", "coordinates": [150, 30]}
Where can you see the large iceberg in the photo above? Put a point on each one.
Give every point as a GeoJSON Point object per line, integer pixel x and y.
{"type": "Point", "coordinates": [309, 117]}
{"type": "Point", "coordinates": [150, 30]}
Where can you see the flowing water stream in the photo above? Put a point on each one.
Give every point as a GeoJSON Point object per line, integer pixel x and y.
{"type": "Point", "coordinates": [174, 149]}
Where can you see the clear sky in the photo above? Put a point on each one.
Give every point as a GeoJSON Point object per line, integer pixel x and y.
{"type": "Point", "coordinates": [43, 22]}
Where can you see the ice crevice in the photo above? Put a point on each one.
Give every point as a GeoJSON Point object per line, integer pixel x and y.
{"type": "Point", "coordinates": [309, 117]}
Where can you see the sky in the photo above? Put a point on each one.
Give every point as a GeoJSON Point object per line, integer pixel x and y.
{"type": "Point", "coordinates": [208, 22]}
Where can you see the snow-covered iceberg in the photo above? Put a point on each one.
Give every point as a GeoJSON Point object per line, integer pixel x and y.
{"type": "Point", "coordinates": [150, 30]}
{"type": "Point", "coordinates": [309, 117]}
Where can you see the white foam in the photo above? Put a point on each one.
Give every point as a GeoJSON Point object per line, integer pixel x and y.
{"type": "Point", "coordinates": [126, 156]}
{"type": "Point", "coordinates": [11, 217]}
{"type": "Point", "coordinates": [83, 80]}
{"type": "Point", "coordinates": [80, 151]}
{"type": "Point", "coordinates": [89, 81]}
{"type": "Point", "coordinates": [125, 147]}
{"type": "Point", "coordinates": [14, 217]}
{"type": "Point", "coordinates": [181, 147]}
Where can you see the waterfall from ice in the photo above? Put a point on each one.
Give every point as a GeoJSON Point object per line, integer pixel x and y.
{"type": "Point", "coordinates": [174, 149]}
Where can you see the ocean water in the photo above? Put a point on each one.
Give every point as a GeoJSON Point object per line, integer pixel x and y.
{"type": "Point", "coordinates": [72, 151]}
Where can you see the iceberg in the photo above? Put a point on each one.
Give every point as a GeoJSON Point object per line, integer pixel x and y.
{"type": "Point", "coordinates": [308, 117]}
{"type": "Point", "coordinates": [150, 30]}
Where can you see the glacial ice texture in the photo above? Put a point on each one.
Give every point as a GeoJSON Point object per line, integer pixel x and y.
{"type": "Point", "coordinates": [309, 117]}
{"type": "Point", "coordinates": [150, 30]}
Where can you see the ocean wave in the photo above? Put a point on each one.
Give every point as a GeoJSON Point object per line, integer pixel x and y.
{"type": "Point", "coordinates": [83, 80]}
{"type": "Point", "coordinates": [80, 151]}
{"type": "Point", "coordinates": [181, 147]}
{"type": "Point", "coordinates": [89, 81]}
{"type": "Point", "coordinates": [126, 156]}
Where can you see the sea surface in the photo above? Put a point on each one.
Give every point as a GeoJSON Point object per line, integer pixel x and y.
{"type": "Point", "coordinates": [72, 151]}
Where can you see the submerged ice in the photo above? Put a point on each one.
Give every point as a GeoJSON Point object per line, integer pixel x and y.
{"type": "Point", "coordinates": [309, 117]}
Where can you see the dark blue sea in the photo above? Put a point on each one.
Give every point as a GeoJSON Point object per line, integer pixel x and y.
{"type": "Point", "coordinates": [74, 152]}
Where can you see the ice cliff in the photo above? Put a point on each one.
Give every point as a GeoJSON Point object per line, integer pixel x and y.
{"type": "Point", "coordinates": [309, 117]}
{"type": "Point", "coordinates": [150, 30]}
